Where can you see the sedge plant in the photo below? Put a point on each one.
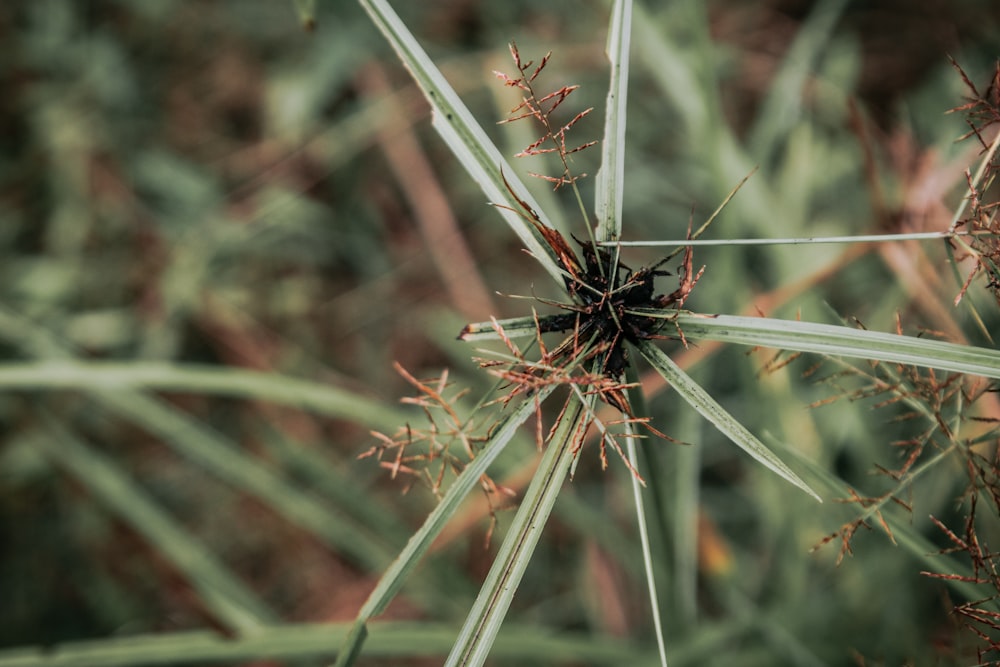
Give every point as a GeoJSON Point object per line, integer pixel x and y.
{"type": "Point", "coordinates": [612, 316]}
{"type": "Point", "coordinates": [580, 373]}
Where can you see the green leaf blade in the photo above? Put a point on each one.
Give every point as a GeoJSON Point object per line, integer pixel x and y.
{"type": "Point", "coordinates": [395, 575]}
{"type": "Point", "coordinates": [514, 327]}
{"type": "Point", "coordinates": [464, 136]}
{"type": "Point", "coordinates": [483, 623]}
{"type": "Point", "coordinates": [842, 341]}
{"type": "Point", "coordinates": [611, 177]}
{"type": "Point", "coordinates": [321, 398]}
{"type": "Point", "coordinates": [710, 409]}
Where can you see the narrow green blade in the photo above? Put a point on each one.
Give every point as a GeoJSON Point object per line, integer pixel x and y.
{"type": "Point", "coordinates": [842, 342]}
{"type": "Point", "coordinates": [321, 398]}
{"type": "Point", "coordinates": [647, 552]}
{"type": "Point", "coordinates": [309, 643]}
{"type": "Point", "coordinates": [394, 576]}
{"type": "Point", "coordinates": [515, 327]}
{"type": "Point", "coordinates": [210, 449]}
{"type": "Point", "coordinates": [782, 106]}
{"type": "Point", "coordinates": [611, 177]}
{"type": "Point", "coordinates": [707, 406]}
{"type": "Point", "coordinates": [465, 137]}
{"type": "Point", "coordinates": [479, 632]}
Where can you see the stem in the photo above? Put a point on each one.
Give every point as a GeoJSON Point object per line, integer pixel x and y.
{"type": "Point", "coordinates": [869, 238]}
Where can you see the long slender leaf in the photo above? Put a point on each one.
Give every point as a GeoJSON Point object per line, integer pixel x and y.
{"type": "Point", "coordinates": [690, 89]}
{"type": "Point", "coordinates": [651, 506]}
{"type": "Point", "coordinates": [647, 553]}
{"type": "Point", "coordinates": [321, 398]}
{"type": "Point", "coordinates": [611, 177]}
{"type": "Point", "coordinates": [801, 337]}
{"type": "Point", "coordinates": [481, 627]}
{"type": "Point", "coordinates": [842, 341]}
{"type": "Point", "coordinates": [292, 644]}
{"type": "Point", "coordinates": [210, 449]}
{"type": "Point", "coordinates": [394, 576]}
{"type": "Point", "coordinates": [710, 409]}
{"type": "Point", "coordinates": [514, 327]}
{"type": "Point", "coordinates": [465, 137]}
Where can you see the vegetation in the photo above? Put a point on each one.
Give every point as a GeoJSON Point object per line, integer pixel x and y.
{"type": "Point", "coordinates": [229, 248]}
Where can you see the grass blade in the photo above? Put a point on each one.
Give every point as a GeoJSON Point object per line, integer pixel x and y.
{"type": "Point", "coordinates": [481, 627]}
{"type": "Point", "coordinates": [210, 449]}
{"type": "Point", "coordinates": [647, 554]}
{"type": "Point", "coordinates": [660, 496]}
{"type": "Point", "coordinates": [709, 408]}
{"type": "Point", "coordinates": [394, 576]}
{"type": "Point", "coordinates": [306, 643]}
{"type": "Point", "coordinates": [803, 337]}
{"type": "Point", "coordinates": [515, 327]}
{"type": "Point", "coordinates": [465, 137]}
{"type": "Point", "coordinates": [800, 240]}
{"type": "Point", "coordinates": [611, 177]}
{"type": "Point", "coordinates": [842, 341]}
{"type": "Point", "coordinates": [321, 398]}
{"type": "Point", "coordinates": [213, 451]}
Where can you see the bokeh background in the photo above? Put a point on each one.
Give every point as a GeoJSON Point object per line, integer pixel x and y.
{"type": "Point", "coordinates": [211, 183]}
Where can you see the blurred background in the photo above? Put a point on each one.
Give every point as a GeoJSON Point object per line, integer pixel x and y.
{"type": "Point", "coordinates": [212, 184]}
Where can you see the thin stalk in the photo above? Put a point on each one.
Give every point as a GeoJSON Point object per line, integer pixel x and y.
{"type": "Point", "coordinates": [647, 554]}
{"type": "Point", "coordinates": [863, 238]}
{"type": "Point", "coordinates": [229, 601]}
